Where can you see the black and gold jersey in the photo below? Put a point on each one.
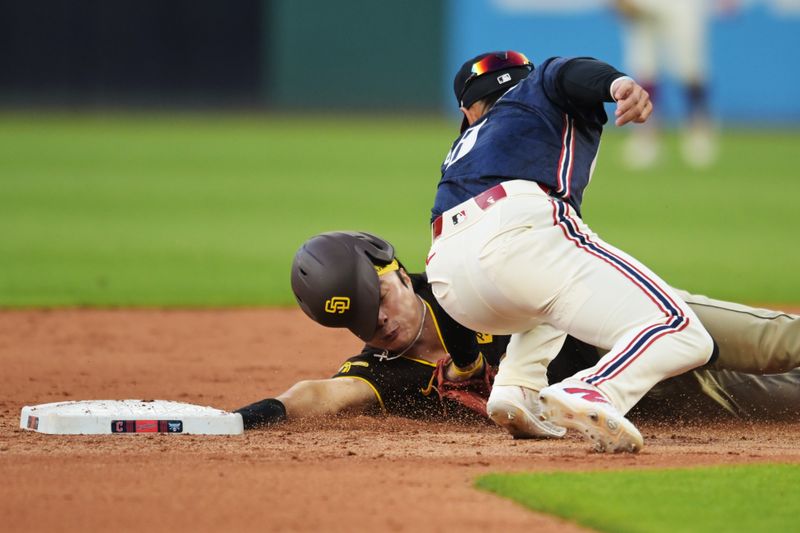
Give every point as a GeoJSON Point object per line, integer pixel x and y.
{"type": "Point", "coordinates": [404, 384]}
{"type": "Point", "coordinates": [463, 344]}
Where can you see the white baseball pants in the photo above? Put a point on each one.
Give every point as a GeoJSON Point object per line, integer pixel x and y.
{"type": "Point", "coordinates": [527, 260]}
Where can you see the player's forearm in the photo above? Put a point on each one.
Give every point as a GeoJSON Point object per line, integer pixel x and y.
{"type": "Point", "coordinates": [322, 397]}
{"type": "Point", "coordinates": [586, 81]}
{"type": "Point", "coordinates": [311, 398]}
{"type": "Point", "coordinates": [301, 400]}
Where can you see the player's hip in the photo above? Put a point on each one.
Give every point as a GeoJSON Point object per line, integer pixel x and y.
{"type": "Point", "coordinates": [465, 263]}
{"type": "Point", "coordinates": [474, 210]}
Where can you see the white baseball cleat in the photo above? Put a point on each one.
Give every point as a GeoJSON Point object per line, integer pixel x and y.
{"type": "Point", "coordinates": [578, 405]}
{"type": "Point", "coordinates": [642, 149]}
{"type": "Point", "coordinates": [517, 410]}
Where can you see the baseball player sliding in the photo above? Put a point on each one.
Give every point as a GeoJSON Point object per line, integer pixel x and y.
{"type": "Point", "coordinates": [404, 368]}
{"type": "Point", "coordinates": [511, 254]}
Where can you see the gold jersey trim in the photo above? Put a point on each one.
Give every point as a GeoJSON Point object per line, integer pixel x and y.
{"type": "Point", "coordinates": [371, 386]}
{"type": "Point", "coordinates": [436, 325]}
{"type": "Point", "coordinates": [430, 388]}
{"type": "Point", "coordinates": [416, 360]}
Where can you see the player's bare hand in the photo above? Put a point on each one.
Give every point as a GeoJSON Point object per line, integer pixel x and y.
{"type": "Point", "coordinates": [633, 102]}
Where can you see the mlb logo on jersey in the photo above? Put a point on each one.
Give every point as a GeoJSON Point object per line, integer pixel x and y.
{"type": "Point", "coordinates": [503, 78]}
{"type": "Point", "coordinates": [458, 217]}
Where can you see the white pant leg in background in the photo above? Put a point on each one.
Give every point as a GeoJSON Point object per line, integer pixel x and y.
{"type": "Point", "coordinates": [685, 38]}
{"type": "Point", "coordinates": [669, 36]}
{"type": "Point", "coordinates": [751, 342]}
{"type": "Point", "coordinates": [641, 49]}
{"type": "Point", "coordinates": [758, 341]}
{"type": "Point", "coordinates": [528, 260]}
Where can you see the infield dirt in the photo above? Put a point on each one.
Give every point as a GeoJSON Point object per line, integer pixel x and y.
{"type": "Point", "coordinates": [344, 474]}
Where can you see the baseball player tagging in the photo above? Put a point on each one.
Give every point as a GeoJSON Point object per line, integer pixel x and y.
{"type": "Point", "coordinates": [510, 252]}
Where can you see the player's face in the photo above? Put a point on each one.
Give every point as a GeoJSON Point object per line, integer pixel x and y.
{"type": "Point", "coordinates": [400, 313]}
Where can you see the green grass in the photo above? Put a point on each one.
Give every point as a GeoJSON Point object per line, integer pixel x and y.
{"type": "Point", "coordinates": [207, 210]}
{"type": "Point", "coordinates": [718, 499]}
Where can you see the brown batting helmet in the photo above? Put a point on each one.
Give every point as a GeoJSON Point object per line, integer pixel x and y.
{"type": "Point", "coordinates": [335, 279]}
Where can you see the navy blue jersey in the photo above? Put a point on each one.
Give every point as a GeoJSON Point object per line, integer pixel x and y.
{"type": "Point", "coordinates": [534, 132]}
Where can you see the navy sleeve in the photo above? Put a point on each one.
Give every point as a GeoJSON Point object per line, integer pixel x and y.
{"type": "Point", "coordinates": [579, 86]}
{"type": "Point", "coordinates": [586, 81]}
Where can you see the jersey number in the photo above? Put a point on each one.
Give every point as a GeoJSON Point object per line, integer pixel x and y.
{"type": "Point", "coordinates": [464, 145]}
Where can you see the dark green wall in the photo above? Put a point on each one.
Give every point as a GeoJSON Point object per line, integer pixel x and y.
{"type": "Point", "coordinates": [87, 53]}
{"type": "Point", "coordinates": [359, 54]}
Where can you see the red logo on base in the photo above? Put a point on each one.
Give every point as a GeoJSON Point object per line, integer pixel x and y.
{"type": "Point", "coordinates": [146, 426]}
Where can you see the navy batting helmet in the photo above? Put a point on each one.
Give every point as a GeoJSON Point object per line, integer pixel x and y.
{"type": "Point", "coordinates": [488, 73]}
{"type": "Point", "coordinates": [335, 279]}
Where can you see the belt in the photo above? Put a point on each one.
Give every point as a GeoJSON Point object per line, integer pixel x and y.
{"type": "Point", "coordinates": [484, 200]}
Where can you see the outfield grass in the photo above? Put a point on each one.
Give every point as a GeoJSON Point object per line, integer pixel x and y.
{"type": "Point", "coordinates": [703, 500]}
{"type": "Point", "coordinates": [207, 210]}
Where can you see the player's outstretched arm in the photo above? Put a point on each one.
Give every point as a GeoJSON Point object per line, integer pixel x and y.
{"type": "Point", "coordinates": [583, 83]}
{"type": "Point", "coordinates": [322, 397]}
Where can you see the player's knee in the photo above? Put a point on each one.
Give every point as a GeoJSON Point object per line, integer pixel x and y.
{"type": "Point", "coordinates": [701, 342]}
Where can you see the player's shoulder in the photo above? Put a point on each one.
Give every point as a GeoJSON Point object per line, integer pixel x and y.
{"type": "Point", "coordinates": [546, 68]}
{"type": "Point", "coordinates": [530, 91]}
